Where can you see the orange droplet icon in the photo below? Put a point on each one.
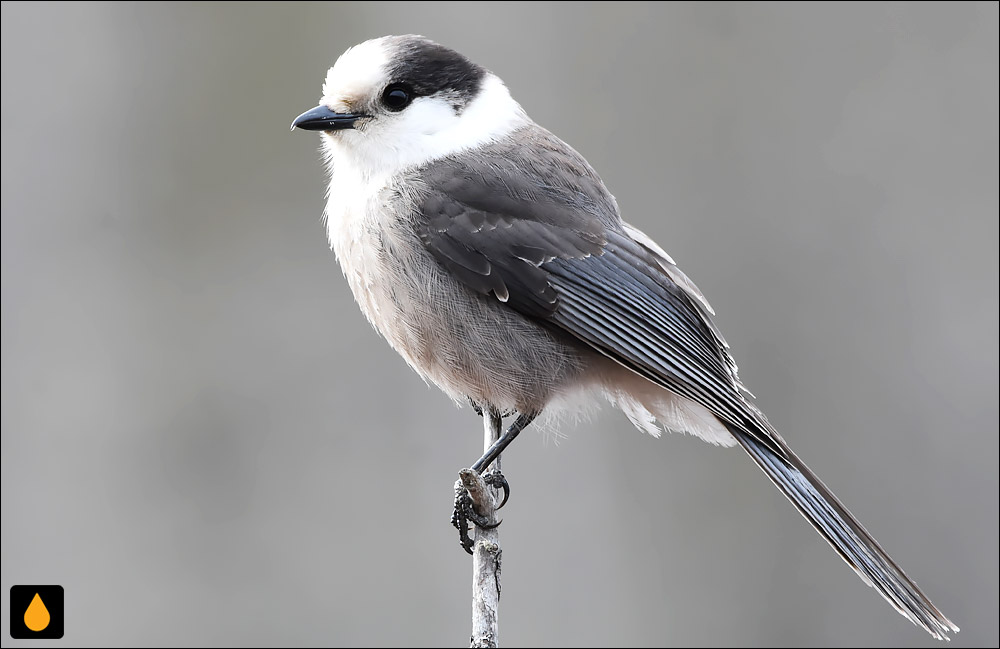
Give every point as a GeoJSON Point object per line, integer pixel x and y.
{"type": "Point", "coordinates": [37, 616]}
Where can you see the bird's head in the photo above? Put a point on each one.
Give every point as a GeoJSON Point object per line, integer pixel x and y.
{"type": "Point", "coordinates": [401, 101]}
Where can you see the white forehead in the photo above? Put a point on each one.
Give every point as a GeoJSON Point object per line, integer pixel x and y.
{"type": "Point", "coordinates": [356, 73]}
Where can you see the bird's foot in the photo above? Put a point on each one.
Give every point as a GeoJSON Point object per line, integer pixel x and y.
{"type": "Point", "coordinates": [465, 510]}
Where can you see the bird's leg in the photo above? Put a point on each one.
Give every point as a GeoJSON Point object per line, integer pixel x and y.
{"type": "Point", "coordinates": [464, 509]}
{"type": "Point", "coordinates": [498, 447]}
{"type": "Point", "coordinates": [494, 478]}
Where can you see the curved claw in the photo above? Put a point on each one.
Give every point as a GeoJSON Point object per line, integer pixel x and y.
{"type": "Point", "coordinates": [489, 526]}
{"type": "Point", "coordinates": [496, 480]}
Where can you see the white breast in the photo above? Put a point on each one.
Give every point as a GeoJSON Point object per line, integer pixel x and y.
{"type": "Point", "coordinates": [352, 224]}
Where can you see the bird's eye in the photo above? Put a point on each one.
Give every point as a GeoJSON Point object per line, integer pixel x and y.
{"type": "Point", "coordinates": [397, 97]}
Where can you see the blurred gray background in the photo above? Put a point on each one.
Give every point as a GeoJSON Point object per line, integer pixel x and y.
{"type": "Point", "coordinates": [205, 442]}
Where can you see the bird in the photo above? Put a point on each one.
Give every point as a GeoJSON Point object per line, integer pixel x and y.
{"type": "Point", "coordinates": [492, 257]}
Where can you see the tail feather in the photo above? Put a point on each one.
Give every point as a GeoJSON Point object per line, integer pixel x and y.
{"type": "Point", "coordinates": [857, 547]}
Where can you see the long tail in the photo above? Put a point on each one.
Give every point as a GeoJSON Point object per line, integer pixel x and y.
{"type": "Point", "coordinates": [862, 552]}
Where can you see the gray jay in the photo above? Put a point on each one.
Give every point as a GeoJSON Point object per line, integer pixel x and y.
{"type": "Point", "coordinates": [491, 256]}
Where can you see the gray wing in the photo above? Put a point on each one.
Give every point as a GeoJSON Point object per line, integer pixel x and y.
{"type": "Point", "coordinates": [534, 226]}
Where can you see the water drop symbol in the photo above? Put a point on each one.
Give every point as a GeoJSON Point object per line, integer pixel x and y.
{"type": "Point", "coordinates": [37, 616]}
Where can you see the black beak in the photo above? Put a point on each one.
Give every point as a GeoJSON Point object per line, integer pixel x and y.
{"type": "Point", "coordinates": [322, 118]}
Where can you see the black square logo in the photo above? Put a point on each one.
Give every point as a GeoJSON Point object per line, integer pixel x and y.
{"type": "Point", "coordinates": [36, 612]}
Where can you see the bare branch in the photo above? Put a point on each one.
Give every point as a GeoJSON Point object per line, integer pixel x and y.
{"type": "Point", "coordinates": [486, 557]}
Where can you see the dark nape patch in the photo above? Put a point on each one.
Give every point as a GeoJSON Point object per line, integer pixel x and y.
{"type": "Point", "coordinates": [429, 68]}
